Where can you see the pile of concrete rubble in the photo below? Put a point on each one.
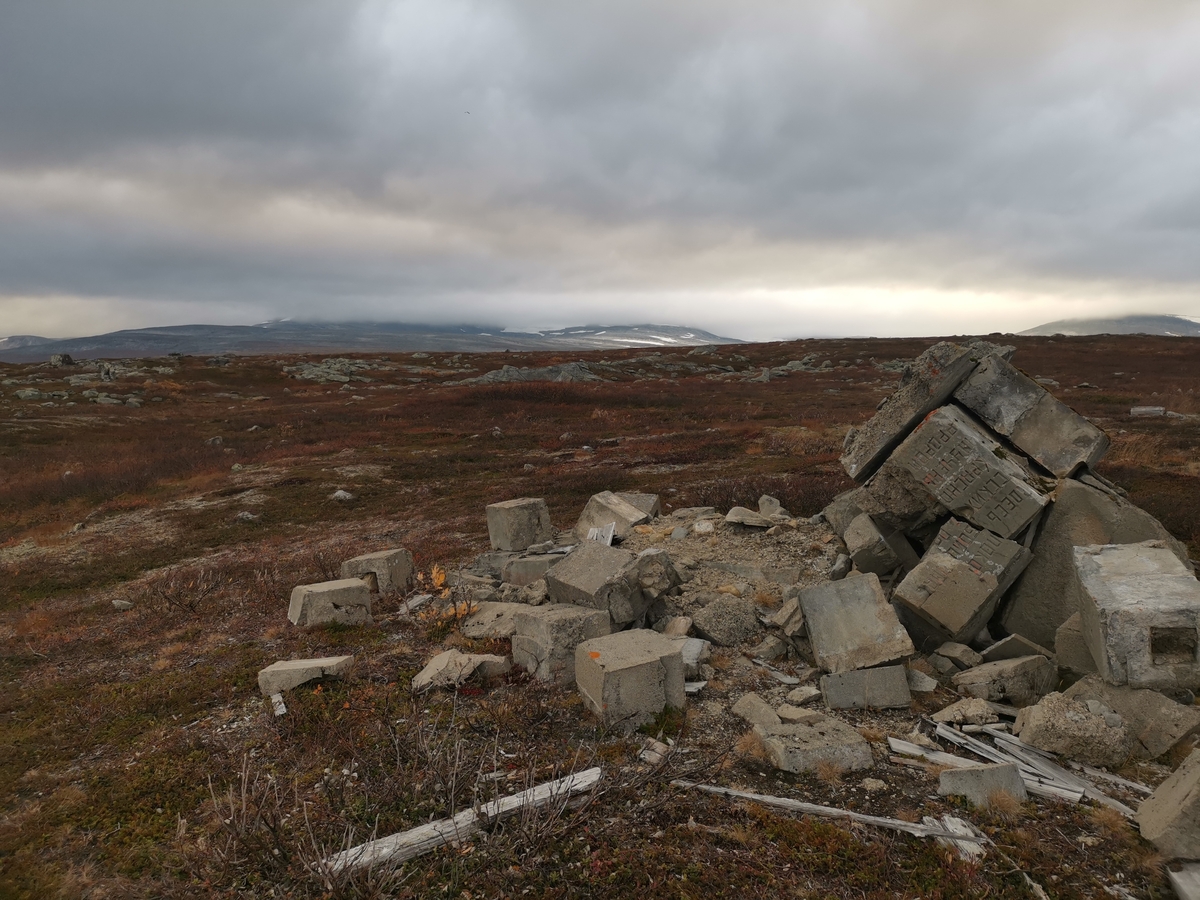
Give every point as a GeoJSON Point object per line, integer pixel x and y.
{"type": "Point", "coordinates": [980, 552]}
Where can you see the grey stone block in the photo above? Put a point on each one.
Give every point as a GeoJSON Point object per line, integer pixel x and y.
{"type": "Point", "coordinates": [515, 524]}
{"type": "Point", "coordinates": [1170, 817]}
{"type": "Point", "coordinates": [289, 673]}
{"type": "Point", "coordinates": [346, 601]}
{"type": "Point", "coordinates": [843, 510]}
{"type": "Point", "coordinates": [1157, 723]}
{"type": "Point", "coordinates": [789, 618]}
{"type": "Point", "coordinates": [882, 688]}
{"type": "Point", "coordinates": [629, 678]}
{"type": "Point", "coordinates": [794, 715]}
{"type": "Point", "coordinates": [967, 712]}
{"type": "Point", "coordinates": [979, 784]}
{"type": "Point", "coordinates": [755, 710]}
{"type": "Point", "coordinates": [803, 748]}
{"type": "Point", "coordinates": [546, 637]}
{"type": "Point", "coordinates": [852, 626]}
{"type": "Point", "coordinates": [740, 515]}
{"type": "Point", "coordinates": [928, 383]}
{"type": "Point", "coordinates": [606, 507]}
{"type": "Point", "coordinates": [1062, 725]}
{"type": "Point", "coordinates": [1043, 597]}
{"type": "Point", "coordinates": [727, 621]}
{"type": "Point", "coordinates": [647, 503]}
{"type": "Point", "coordinates": [524, 570]}
{"type": "Point", "coordinates": [960, 580]}
{"type": "Point", "coordinates": [961, 655]}
{"type": "Point", "coordinates": [1140, 612]}
{"type": "Point", "coordinates": [1013, 646]}
{"type": "Point", "coordinates": [1014, 405]}
{"type": "Point", "coordinates": [874, 551]}
{"type": "Point", "coordinates": [695, 653]}
{"type": "Point", "coordinates": [1186, 881]}
{"type": "Point", "coordinates": [1021, 682]}
{"type": "Point", "coordinates": [601, 577]}
{"type": "Point", "coordinates": [391, 569]}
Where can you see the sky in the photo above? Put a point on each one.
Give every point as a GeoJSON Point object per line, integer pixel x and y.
{"type": "Point", "coordinates": [763, 169]}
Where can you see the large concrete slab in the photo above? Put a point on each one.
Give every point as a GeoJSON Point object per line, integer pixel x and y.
{"type": "Point", "coordinates": [1042, 598]}
{"type": "Point", "coordinates": [517, 524]}
{"type": "Point", "coordinates": [1170, 817]}
{"type": "Point", "coordinates": [852, 626]}
{"type": "Point", "coordinates": [927, 384]}
{"type": "Point", "coordinates": [1140, 612]}
{"type": "Point", "coordinates": [629, 678]}
{"type": "Point", "coordinates": [392, 570]}
{"type": "Point", "coordinates": [289, 673]}
{"type": "Point", "coordinates": [885, 687]}
{"type": "Point", "coordinates": [346, 601]}
{"type": "Point", "coordinates": [605, 508]}
{"type": "Point", "coordinates": [1014, 405]}
{"type": "Point", "coordinates": [804, 748]}
{"type": "Point", "coordinates": [960, 580]}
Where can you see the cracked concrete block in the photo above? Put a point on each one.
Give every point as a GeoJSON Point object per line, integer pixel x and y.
{"type": "Point", "coordinates": [1021, 682]}
{"type": "Point", "coordinates": [391, 569]}
{"type": "Point", "coordinates": [346, 601]}
{"type": "Point", "coordinates": [959, 582]}
{"type": "Point", "coordinates": [883, 688]}
{"type": "Point", "coordinates": [629, 678]}
{"type": "Point", "coordinates": [803, 748]}
{"type": "Point", "coordinates": [1070, 648]}
{"type": "Point", "coordinates": [872, 550]}
{"type": "Point", "coordinates": [289, 673]}
{"type": "Point", "coordinates": [516, 524]}
{"type": "Point", "coordinates": [545, 638]}
{"type": "Point", "coordinates": [525, 570]}
{"type": "Point", "coordinates": [1157, 723]}
{"type": "Point", "coordinates": [789, 618]}
{"type": "Point", "coordinates": [1059, 724]}
{"type": "Point", "coordinates": [695, 653]}
{"type": "Point", "coordinates": [961, 655]}
{"type": "Point", "coordinates": [1014, 405]}
{"type": "Point", "coordinates": [979, 784]}
{"type": "Point", "coordinates": [605, 508]}
{"type": "Point", "coordinates": [601, 577]}
{"type": "Point", "coordinates": [755, 710]}
{"type": "Point", "coordinates": [1043, 597]}
{"type": "Point", "coordinates": [851, 625]}
{"type": "Point", "coordinates": [1140, 611]}
{"type": "Point", "coordinates": [1170, 817]}
{"type": "Point", "coordinates": [927, 384]}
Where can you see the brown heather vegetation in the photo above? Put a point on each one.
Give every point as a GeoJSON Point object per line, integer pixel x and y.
{"type": "Point", "coordinates": [137, 759]}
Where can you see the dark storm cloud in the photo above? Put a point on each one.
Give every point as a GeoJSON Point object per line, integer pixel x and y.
{"type": "Point", "coordinates": [564, 161]}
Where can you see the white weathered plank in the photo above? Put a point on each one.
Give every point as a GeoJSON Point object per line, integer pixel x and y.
{"type": "Point", "coordinates": [966, 840]}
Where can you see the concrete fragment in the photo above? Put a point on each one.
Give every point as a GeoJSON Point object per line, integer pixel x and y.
{"type": "Point", "coordinates": [1043, 597]}
{"type": "Point", "coordinates": [451, 668]}
{"type": "Point", "coordinates": [874, 551]}
{"type": "Point", "coordinates": [492, 619]}
{"type": "Point", "coordinates": [794, 715]}
{"type": "Point", "coordinates": [346, 602]}
{"type": "Point", "coordinates": [972, 711]}
{"type": "Point", "coordinates": [524, 570]}
{"type": "Point", "coordinates": [1140, 612]}
{"type": "Point", "coordinates": [803, 694]}
{"type": "Point", "coordinates": [769, 506]}
{"type": "Point", "coordinates": [1059, 724]}
{"type": "Point", "coordinates": [727, 621]}
{"type": "Point", "coordinates": [841, 567]}
{"type": "Point", "coordinates": [885, 687]}
{"type": "Point", "coordinates": [704, 526]}
{"type": "Point", "coordinates": [771, 647]}
{"type": "Point", "coordinates": [678, 626]}
{"type": "Point", "coordinates": [1013, 646]}
{"type": "Point", "coordinates": [755, 710]}
{"type": "Point", "coordinates": [1157, 723]}
{"type": "Point", "coordinates": [958, 583]}
{"type": "Point", "coordinates": [842, 510]}
{"type": "Point", "coordinates": [851, 625]}
{"type": "Point", "coordinates": [961, 655]}
{"type": "Point", "coordinates": [515, 524]}
{"type": "Point", "coordinates": [920, 683]}
{"type": "Point", "coordinates": [545, 638]}
{"type": "Point", "coordinates": [803, 748]}
{"type": "Point", "coordinates": [1186, 881]}
{"type": "Point", "coordinates": [739, 515]}
{"type": "Point", "coordinates": [928, 382]}
{"type": "Point", "coordinates": [1014, 405]}
{"type": "Point", "coordinates": [286, 674]}
{"type": "Point", "coordinates": [1170, 817]}
{"type": "Point", "coordinates": [647, 503]}
{"type": "Point", "coordinates": [392, 570]}
{"type": "Point", "coordinates": [122, 605]}
{"type": "Point", "coordinates": [629, 678]}
{"type": "Point", "coordinates": [1070, 648]}
{"type": "Point", "coordinates": [695, 653]}
{"type": "Point", "coordinates": [789, 618]}
{"type": "Point", "coordinates": [981, 784]}
{"type": "Point", "coordinates": [1021, 682]}
{"type": "Point", "coordinates": [1147, 412]}
{"type": "Point", "coordinates": [600, 577]}
{"type": "Point", "coordinates": [605, 508]}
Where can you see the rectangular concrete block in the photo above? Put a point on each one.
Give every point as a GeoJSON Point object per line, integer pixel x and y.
{"type": "Point", "coordinates": [600, 577]}
{"type": "Point", "coordinates": [980, 784]}
{"type": "Point", "coordinates": [346, 602]}
{"type": "Point", "coordinates": [546, 637]}
{"type": "Point", "coordinates": [1020, 682]}
{"type": "Point", "coordinates": [1170, 817]}
{"type": "Point", "coordinates": [960, 580]}
{"type": "Point", "coordinates": [851, 625]}
{"type": "Point", "coordinates": [1014, 405]}
{"type": "Point", "coordinates": [931, 379]}
{"type": "Point", "coordinates": [629, 678]}
{"type": "Point", "coordinates": [1140, 612]}
{"type": "Point", "coordinates": [883, 688]}
{"type": "Point", "coordinates": [492, 619]}
{"type": "Point", "coordinates": [391, 569]}
{"type": "Point", "coordinates": [289, 673]}
{"type": "Point", "coordinates": [607, 508]}
{"type": "Point", "coordinates": [524, 570]}
{"type": "Point", "coordinates": [647, 503]}
{"type": "Point", "coordinates": [516, 524]}
{"type": "Point", "coordinates": [804, 748]}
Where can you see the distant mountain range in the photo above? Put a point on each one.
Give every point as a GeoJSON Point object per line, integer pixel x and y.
{"type": "Point", "coordinates": [1175, 326]}
{"type": "Point", "coordinates": [345, 337]}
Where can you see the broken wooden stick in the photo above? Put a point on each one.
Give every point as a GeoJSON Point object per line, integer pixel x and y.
{"type": "Point", "coordinates": [406, 845]}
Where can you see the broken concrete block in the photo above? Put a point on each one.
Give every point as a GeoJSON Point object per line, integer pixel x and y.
{"type": "Point", "coordinates": [596, 575]}
{"type": "Point", "coordinates": [647, 503]}
{"type": "Point", "coordinates": [492, 619]}
{"type": "Point", "coordinates": [852, 626]}
{"type": "Point", "coordinates": [391, 569]}
{"type": "Point", "coordinates": [739, 515]}
{"type": "Point", "coordinates": [950, 464]}
{"type": "Point", "coordinates": [629, 678]}
{"type": "Point", "coordinates": [803, 748]}
{"type": "Point", "coordinates": [883, 688]}
{"type": "Point", "coordinates": [928, 383]}
{"type": "Point", "coordinates": [843, 510]}
{"type": "Point", "coordinates": [961, 655]}
{"type": "Point", "coordinates": [769, 648]}
{"type": "Point", "coordinates": [727, 621]}
{"type": "Point", "coordinates": [289, 673]}
{"type": "Point", "coordinates": [655, 574]}
{"type": "Point", "coordinates": [1140, 611]}
{"type": "Point", "coordinates": [545, 638]}
{"type": "Point", "coordinates": [1013, 646]}
{"type": "Point", "coordinates": [803, 694]}
{"type": "Point", "coordinates": [695, 653]}
{"type": "Point", "coordinates": [967, 712]}
{"type": "Point", "coordinates": [677, 626]}
{"type": "Point", "coordinates": [794, 715]}
{"type": "Point", "coordinates": [1058, 724]}
{"type": "Point", "coordinates": [980, 784]}
{"type": "Point", "coordinates": [605, 508]}
{"type": "Point", "coordinates": [1043, 597]}
{"type": "Point", "coordinates": [346, 602]}
{"type": "Point", "coordinates": [1014, 405]}
{"type": "Point", "coordinates": [789, 618]}
{"type": "Point", "coordinates": [451, 668]}
{"type": "Point", "coordinates": [1021, 682]}
{"type": "Point", "coordinates": [525, 570]}
{"type": "Point", "coordinates": [959, 582]}
{"type": "Point", "coordinates": [919, 682]}
{"type": "Point", "coordinates": [769, 506]}
{"type": "Point", "coordinates": [1070, 648]}
{"type": "Point", "coordinates": [515, 524]}
{"type": "Point", "coordinates": [874, 551]}
{"type": "Point", "coordinates": [1186, 881]}
{"type": "Point", "coordinates": [1157, 723]}
{"type": "Point", "coordinates": [1170, 817]}
{"type": "Point", "coordinates": [755, 710]}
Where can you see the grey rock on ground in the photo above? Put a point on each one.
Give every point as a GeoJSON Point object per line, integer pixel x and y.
{"type": "Point", "coordinates": [727, 622]}
{"type": "Point", "coordinates": [1059, 724]}
{"type": "Point", "coordinates": [1021, 682]}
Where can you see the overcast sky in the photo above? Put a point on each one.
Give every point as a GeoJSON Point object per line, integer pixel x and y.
{"type": "Point", "coordinates": [765, 169]}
